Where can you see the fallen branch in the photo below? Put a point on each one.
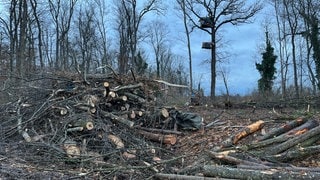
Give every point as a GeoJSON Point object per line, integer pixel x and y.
{"type": "Point", "coordinates": [170, 84]}
{"type": "Point", "coordinates": [132, 86]}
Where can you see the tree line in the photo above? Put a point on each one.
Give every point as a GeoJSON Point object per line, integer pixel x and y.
{"type": "Point", "coordinates": [99, 36]}
{"type": "Point", "coordinates": [88, 37]}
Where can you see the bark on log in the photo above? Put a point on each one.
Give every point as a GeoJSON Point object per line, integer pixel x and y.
{"type": "Point", "coordinates": [236, 173]}
{"type": "Point", "coordinates": [74, 129]}
{"type": "Point", "coordinates": [166, 139]}
{"type": "Point", "coordinates": [294, 141]}
{"type": "Point", "coordinates": [284, 137]}
{"type": "Point", "coordinates": [248, 130]}
{"type": "Point", "coordinates": [162, 176]}
{"type": "Point", "coordinates": [281, 168]}
{"type": "Point", "coordinates": [134, 97]}
{"type": "Point", "coordinates": [117, 118]}
{"type": "Point", "coordinates": [243, 133]}
{"type": "Point", "coordinates": [283, 129]}
{"type": "Point", "coordinates": [132, 86]}
{"type": "Point", "coordinates": [82, 124]}
{"type": "Point", "coordinates": [85, 107]}
{"type": "Point", "coordinates": [160, 130]}
{"type": "Point", "coordinates": [303, 128]}
{"type": "Point", "coordinates": [296, 153]}
{"type": "Point", "coordinates": [224, 157]}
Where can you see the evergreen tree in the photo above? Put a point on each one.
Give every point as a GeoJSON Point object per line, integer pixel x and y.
{"type": "Point", "coordinates": [267, 68]}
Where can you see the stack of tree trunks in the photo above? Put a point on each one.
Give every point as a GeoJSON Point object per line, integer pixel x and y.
{"type": "Point", "coordinates": [267, 156]}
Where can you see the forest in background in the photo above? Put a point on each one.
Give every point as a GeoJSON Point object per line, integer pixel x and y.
{"type": "Point", "coordinates": [101, 36]}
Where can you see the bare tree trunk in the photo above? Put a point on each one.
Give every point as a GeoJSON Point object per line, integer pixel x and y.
{"type": "Point", "coordinates": [182, 5]}
{"type": "Point", "coordinates": [293, 23]}
{"type": "Point", "coordinates": [13, 33]}
{"type": "Point", "coordinates": [283, 64]}
{"type": "Point", "coordinates": [34, 5]}
{"type": "Point", "coordinates": [103, 34]}
{"type": "Point", "coordinates": [55, 10]}
{"type": "Point", "coordinates": [213, 64]}
{"type": "Point", "coordinates": [23, 17]}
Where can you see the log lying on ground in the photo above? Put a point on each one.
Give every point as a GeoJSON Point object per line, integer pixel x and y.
{"type": "Point", "coordinates": [181, 177]}
{"type": "Point", "coordinates": [237, 173]}
{"type": "Point", "coordinates": [295, 153]}
{"type": "Point", "coordinates": [166, 139]}
{"type": "Point", "coordinates": [294, 141]}
{"type": "Point", "coordinates": [281, 168]}
{"type": "Point", "coordinates": [283, 129]}
{"type": "Point", "coordinates": [284, 137]}
{"type": "Point", "coordinates": [223, 156]}
{"type": "Point", "coordinates": [243, 133]}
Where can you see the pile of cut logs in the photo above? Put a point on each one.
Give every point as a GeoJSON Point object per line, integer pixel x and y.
{"type": "Point", "coordinates": [76, 116]}
{"type": "Point", "coordinates": [268, 155]}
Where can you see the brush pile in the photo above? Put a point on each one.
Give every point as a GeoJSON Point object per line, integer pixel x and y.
{"type": "Point", "coordinates": [111, 123]}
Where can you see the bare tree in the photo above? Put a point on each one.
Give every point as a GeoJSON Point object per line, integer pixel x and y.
{"type": "Point", "coordinates": [309, 10]}
{"type": "Point", "coordinates": [130, 17]}
{"type": "Point", "coordinates": [292, 19]}
{"type": "Point", "coordinates": [219, 13]}
{"type": "Point", "coordinates": [282, 41]}
{"type": "Point", "coordinates": [10, 30]}
{"type": "Point", "coordinates": [101, 17]}
{"type": "Point", "coordinates": [86, 41]}
{"type": "Point", "coordinates": [182, 7]}
{"type": "Point", "coordinates": [158, 39]}
{"type": "Point", "coordinates": [22, 43]}
{"type": "Point", "coordinates": [62, 12]}
{"type": "Point", "coordinates": [34, 6]}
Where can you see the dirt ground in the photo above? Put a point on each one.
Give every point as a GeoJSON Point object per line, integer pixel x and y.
{"type": "Point", "coordinates": [187, 156]}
